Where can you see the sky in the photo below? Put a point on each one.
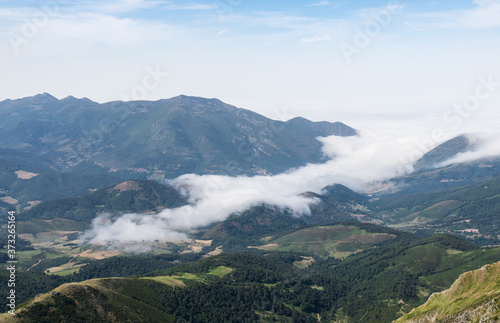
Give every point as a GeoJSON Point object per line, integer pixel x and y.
{"type": "Point", "coordinates": [407, 74]}
{"type": "Point", "coordinates": [359, 62]}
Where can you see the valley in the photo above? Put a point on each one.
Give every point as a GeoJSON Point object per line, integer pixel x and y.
{"type": "Point", "coordinates": [328, 254]}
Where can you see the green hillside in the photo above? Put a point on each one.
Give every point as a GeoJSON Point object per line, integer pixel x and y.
{"type": "Point", "coordinates": [469, 211]}
{"type": "Point", "coordinates": [474, 297]}
{"type": "Point", "coordinates": [378, 284]}
{"type": "Point", "coordinates": [205, 292]}
{"type": "Point", "coordinates": [129, 196]}
{"type": "Point", "coordinates": [338, 241]}
{"type": "Point", "coordinates": [100, 300]}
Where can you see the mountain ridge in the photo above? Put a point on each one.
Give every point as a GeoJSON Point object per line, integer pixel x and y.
{"type": "Point", "coordinates": [165, 138]}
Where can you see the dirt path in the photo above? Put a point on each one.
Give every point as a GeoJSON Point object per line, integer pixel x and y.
{"type": "Point", "coordinates": [39, 261]}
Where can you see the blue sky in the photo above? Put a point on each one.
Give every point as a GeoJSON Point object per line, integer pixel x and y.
{"type": "Point", "coordinates": [353, 61]}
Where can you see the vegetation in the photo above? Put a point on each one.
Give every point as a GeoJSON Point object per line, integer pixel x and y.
{"type": "Point", "coordinates": [274, 267]}
{"type": "Point", "coordinates": [374, 285]}
{"type": "Point", "coordinates": [475, 296]}
{"type": "Point", "coordinates": [166, 138]}
{"type": "Point", "coordinates": [129, 196]}
{"type": "Point", "coordinates": [469, 211]}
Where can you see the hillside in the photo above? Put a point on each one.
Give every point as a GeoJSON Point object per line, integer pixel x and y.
{"type": "Point", "coordinates": [164, 138]}
{"type": "Point", "coordinates": [181, 297]}
{"type": "Point", "coordinates": [128, 196]}
{"type": "Point", "coordinates": [386, 280]}
{"type": "Point", "coordinates": [104, 300]}
{"type": "Point", "coordinates": [338, 241]}
{"type": "Point", "coordinates": [470, 211]}
{"type": "Point", "coordinates": [443, 152]}
{"type": "Point", "coordinates": [27, 179]}
{"type": "Point", "coordinates": [473, 297]}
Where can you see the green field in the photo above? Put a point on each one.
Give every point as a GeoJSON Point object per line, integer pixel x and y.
{"type": "Point", "coordinates": [336, 241]}
{"type": "Point", "coordinates": [186, 278]}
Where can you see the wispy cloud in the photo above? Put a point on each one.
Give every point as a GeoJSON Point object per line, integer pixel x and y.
{"type": "Point", "coordinates": [193, 6]}
{"type": "Point", "coordinates": [319, 3]}
{"type": "Point", "coordinates": [222, 32]}
{"type": "Point", "coordinates": [112, 7]}
{"type": "Point", "coordinates": [315, 39]}
{"type": "Point", "coordinates": [485, 14]}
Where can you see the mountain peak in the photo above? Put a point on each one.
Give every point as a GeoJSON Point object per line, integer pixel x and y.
{"type": "Point", "coordinates": [44, 96]}
{"type": "Point", "coordinates": [443, 152]}
{"type": "Point", "coordinates": [323, 128]}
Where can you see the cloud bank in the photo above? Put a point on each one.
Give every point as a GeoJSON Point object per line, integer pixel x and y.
{"type": "Point", "coordinates": [357, 162]}
{"type": "Point", "coordinates": [483, 147]}
{"type": "Point", "coordinates": [360, 163]}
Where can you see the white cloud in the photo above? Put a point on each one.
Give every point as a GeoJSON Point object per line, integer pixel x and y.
{"type": "Point", "coordinates": [484, 146]}
{"type": "Point", "coordinates": [358, 162]}
{"type": "Point", "coordinates": [485, 14]}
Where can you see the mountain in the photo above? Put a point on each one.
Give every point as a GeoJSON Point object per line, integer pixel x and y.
{"type": "Point", "coordinates": [473, 297]}
{"type": "Point", "coordinates": [27, 179]}
{"type": "Point", "coordinates": [443, 152]}
{"type": "Point", "coordinates": [164, 138]}
{"type": "Point", "coordinates": [430, 175]}
{"type": "Point", "coordinates": [130, 196]}
{"type": "Point", "coordinates": [226, 288]}
{"type": "Point", "coordinates": [470, 211]}
{"type": "Point", "coordinates": [54, 227]}
{"type": "Point", "coordinates": [400, 274]}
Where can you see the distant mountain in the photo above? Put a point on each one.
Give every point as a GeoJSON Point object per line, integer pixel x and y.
{"type": "Point", "coordinates": [164, 138]}
{"type": "Point", "coordinates": [470, 211]}
{"type": "Point", "coordinates": [27, 179]}
{"type": "Point", "coordinates": [473, 297]}
{"type": "Point", "coordinates": [337, 203]}
{"type": "Point", "coordinates": [128, 196]}
{"type": "Point", "coordinates": [443, 152]}
{"type": "Point", "coordinates": [430, 176]}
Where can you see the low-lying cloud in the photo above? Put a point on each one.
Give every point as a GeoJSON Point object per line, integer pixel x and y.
{"type": "Point", "coordinates": [360, 163]}
{"type": "Point", "coordinates": [483, 146]}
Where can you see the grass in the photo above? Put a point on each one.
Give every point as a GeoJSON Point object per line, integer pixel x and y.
{"type": "Point", "coordinates": [453, 265]}
{"type": "Point", "coordinates": [186, 278]}
{"type": "Point", "coordinates": [327, 241]}
{"type": "Point", "coordinates": [470, 292]}
{"type": "Point", "coordinates": [66, 271]}
{"type": "Point", "coordinates": [221, 271]}
{"type": "Point", "coordinates": [129, 300]}
{"type": "Point", "coordinates": [439, 210]}
{"type": "Point", "coordinates": [304, 263]}
{"type": "Point", "coordinates": [35, 226]}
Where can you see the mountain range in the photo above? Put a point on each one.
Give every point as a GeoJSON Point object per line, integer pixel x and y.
{"type": "Point", "coordinates": [357, 257]}
{"type": "Point", "coordinates": [163, 138]}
